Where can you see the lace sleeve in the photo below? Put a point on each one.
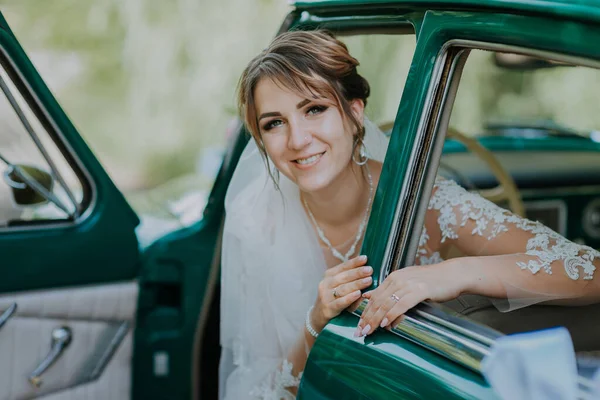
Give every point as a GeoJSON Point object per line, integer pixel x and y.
{"type": "Point", "coordinates": [478, 227]}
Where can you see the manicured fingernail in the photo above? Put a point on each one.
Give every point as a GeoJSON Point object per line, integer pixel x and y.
{"type": "Point", "coordinates": [366, 280]}
{"type": "Point", "coordinates": [367, 270]}
{"type": "Point", "coordinates": [365, 330]}
{"type": "Point", "coordinates": [357, 331]}
{"type": "Point", "coordinates": [362, 258]}
{"type": "Point", "coordinates": [384, 323]}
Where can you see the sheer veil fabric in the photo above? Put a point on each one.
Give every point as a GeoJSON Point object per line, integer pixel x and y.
{"type": "Point", "coordinates": [272, 264]}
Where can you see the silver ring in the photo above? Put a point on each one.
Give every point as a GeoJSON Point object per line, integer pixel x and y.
{"type": "Point", "coordinates": [335, 293]}
{"type": "Point", "coordinates": [395, 298]}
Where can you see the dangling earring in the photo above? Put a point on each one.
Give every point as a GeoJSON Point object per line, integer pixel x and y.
{"type": "Point", "coordinates": [362, 153]}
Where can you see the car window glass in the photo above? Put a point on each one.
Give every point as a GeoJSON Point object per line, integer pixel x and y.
{"type": "Point", "coordinates": [537, 120]}
{"type": "Point", "coordinates": [384, 62]}
{"type": "Point", "coordinates": [27, 148]}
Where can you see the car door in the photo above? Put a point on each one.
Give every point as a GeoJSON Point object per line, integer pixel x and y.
{"type": "Point", "coordinates": [86, 311]}
{"type": "Point", "coordinates": [432, 353]}
{"type": "Point", "coordinates": [69, 266]}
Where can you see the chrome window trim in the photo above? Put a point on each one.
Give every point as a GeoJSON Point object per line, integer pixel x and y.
{"type": "Point", "coordinates": [433, 158]}
{"type": "Point", "coordinates": [467, 346]}
{"type": "Point", "coordinates": [420, 327]}
{"type": "Point", "coordinates": [38, 143]}
{"type": "Point", "coordinates": [86, 212]}
{"type": "Point", "coordinates": [391, 250]}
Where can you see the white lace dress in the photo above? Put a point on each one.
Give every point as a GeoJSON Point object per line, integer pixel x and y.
{"type": "Point", "coordinates": [456, 208]}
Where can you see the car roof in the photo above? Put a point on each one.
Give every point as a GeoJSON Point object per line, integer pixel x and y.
{"type": "Point", "coordinates": [578, 9]}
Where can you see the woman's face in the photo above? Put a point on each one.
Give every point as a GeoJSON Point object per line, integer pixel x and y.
{"type": "Point", "coordinates": [307, 139]}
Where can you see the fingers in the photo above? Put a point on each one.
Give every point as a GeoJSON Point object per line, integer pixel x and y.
{"type": "Point", "coordinates": [379, 318]}
{"type": "Point", "coordinates": [342, 286]}
{"type": "Point", "coordinates": [354, 285]}
{"type": "Point", "coordinates": [392, 317]}
{"type": "Point", "coordinates": [348, 265]}
{"type": "Point", "coordinates": [350, 276]}
{"type": "Point", "coordinates": [377, 309]}
{"type": "Point", "coordinates": [333, 308]}
{"type": "Point", "coordinates": [346, 301]}
{"type": "Point", "coordinates": [390, 312]}
{"type": "Point", "coordinates": [383, 287]}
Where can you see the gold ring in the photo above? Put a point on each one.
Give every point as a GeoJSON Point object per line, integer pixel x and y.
{"type": "Point", "coordinates": [395, 298]}
{"type": "Point", "coordinates": [335, 293]}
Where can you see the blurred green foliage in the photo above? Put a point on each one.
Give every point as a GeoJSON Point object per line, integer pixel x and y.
{"type": "Point", "coordinates": [155, 80]}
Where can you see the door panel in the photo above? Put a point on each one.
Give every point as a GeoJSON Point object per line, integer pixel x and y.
{"type": "Point", "coordinates": [97, 362]}
{"type": "Point", "coordinates": [382, 366]}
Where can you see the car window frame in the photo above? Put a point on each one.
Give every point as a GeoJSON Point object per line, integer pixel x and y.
{"type": "Point", "coordinates": [416, 190]}
{"type": "Point", "coordinates": [89, 192]}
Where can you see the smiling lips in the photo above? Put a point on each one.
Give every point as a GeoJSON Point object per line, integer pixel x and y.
{"type": "Point", "coordinates": [308, 161]}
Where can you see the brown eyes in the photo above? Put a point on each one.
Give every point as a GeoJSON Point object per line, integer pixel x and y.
{"type": "Point", "coordinates": [311, 111]}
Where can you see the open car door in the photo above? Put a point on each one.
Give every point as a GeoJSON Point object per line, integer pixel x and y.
{"type": "Point", "coordinates": [85, 310]}
{"type": "Point", "coordinates": [68, 291]}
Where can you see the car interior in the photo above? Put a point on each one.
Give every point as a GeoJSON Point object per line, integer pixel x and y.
{"type": "Point", "coordinates": [534, 156]}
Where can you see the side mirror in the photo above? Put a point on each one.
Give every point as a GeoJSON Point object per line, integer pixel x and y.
{"type": "Point", "coordinates": [24, 194]}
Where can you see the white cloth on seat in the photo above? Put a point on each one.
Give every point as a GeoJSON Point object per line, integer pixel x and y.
{"type": "Point", "coordinates": [533, 366]}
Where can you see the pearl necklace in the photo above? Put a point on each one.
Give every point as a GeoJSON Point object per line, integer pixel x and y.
{"type": "Point", "coordinates": [361, 227]}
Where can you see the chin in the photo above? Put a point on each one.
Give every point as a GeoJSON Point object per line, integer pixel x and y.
{"type": "Point", "coordinates": [315, 183]}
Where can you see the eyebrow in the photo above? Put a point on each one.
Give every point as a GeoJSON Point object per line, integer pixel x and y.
{"type": "Point", "coordinates": [302, 103]}
{"type": "Point", "coordinates": [278, 114]}
{"type": "Point", "coordinates": [269, 114]}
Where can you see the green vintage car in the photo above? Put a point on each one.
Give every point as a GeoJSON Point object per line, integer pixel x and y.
{"type": "Point", "coordinates": [499, 95]}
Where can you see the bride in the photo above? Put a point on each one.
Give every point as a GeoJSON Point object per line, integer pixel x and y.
{"type": "Point", "coordinates": [297, 208]}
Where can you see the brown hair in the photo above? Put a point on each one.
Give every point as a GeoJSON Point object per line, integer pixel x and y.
{"type": "Point", "coordinates": [312, 63]}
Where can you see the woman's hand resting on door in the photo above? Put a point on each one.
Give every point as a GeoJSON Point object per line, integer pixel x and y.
{"type": "Point", "coordinates": [405, 288]}
{"type": "Point", "coordinates": [339, 289]}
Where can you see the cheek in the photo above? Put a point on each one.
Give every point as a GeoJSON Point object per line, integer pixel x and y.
{"type": "Point", "coordinates": [339, 135]}
{"type": "Point", "coordinates": [275, 147]}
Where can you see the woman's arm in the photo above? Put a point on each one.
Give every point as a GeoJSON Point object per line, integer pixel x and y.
{"type": "Point", "coordinates": [506, 257]}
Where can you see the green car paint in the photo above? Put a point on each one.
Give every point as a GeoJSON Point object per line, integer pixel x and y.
{"type": "Point", "coordinates": [177, 273]}
{"type": "Point", "coordinates": [382, 366]}
{"type": "Point", "coordinates": [107, 222]}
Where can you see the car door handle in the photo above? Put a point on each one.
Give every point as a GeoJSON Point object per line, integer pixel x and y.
{"type": "Point", "coordinates": [61, 338]}
{"type": "Point", "coordinates": [7, 314]}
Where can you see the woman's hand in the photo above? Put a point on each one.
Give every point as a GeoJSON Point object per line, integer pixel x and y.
{"type": "Point", "coordinates": [405, 288]}
{"type": "Point", "coordinates": [340, 287]}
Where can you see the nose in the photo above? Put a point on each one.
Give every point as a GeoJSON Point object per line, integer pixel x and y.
{"type": "Point", "coordinates": [299, 136]}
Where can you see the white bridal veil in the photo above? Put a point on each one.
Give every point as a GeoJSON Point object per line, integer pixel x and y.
{"type": "Point", "coordinates": [271, 266]}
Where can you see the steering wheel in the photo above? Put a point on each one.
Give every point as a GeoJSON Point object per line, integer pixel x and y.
{"type": "Point", "coordinates": [506, 190]}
